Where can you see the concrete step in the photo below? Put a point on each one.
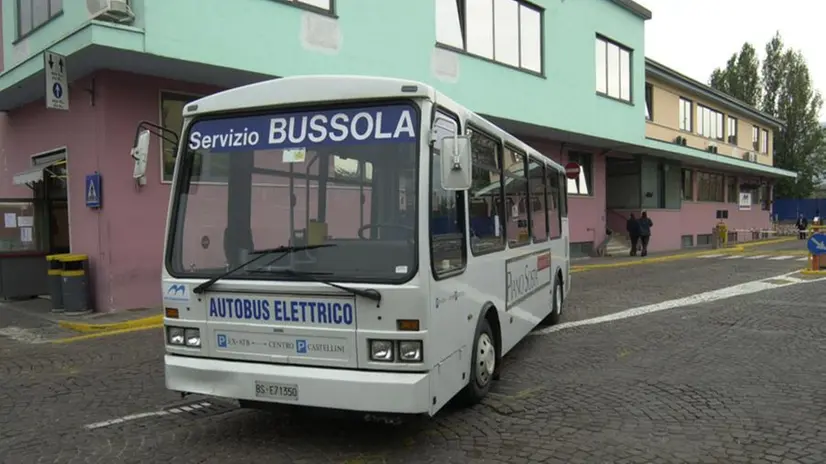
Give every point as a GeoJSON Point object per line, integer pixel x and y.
{"type": "Point", "coordinates": [617, 245]}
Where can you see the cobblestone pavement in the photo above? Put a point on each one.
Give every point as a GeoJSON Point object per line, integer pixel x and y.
{"type": "Point", "coordinates": [737, 380]}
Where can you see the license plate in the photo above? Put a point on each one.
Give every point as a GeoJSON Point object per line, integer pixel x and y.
{"type": "Point", "coordinates": [277, 391]}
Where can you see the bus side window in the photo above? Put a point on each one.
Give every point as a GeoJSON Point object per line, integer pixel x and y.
{"type": "Point", "coordinates": [487, 201]}
{"type": "Point", "coordinates": [554, 202]}
{"type": "Point", "coordinates": [447, 225]}
{"type": "Point", "coordinates": [538, 182]}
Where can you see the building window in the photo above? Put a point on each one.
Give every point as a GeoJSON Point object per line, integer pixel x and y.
{"type": "Point", "coordinates": [732, 190]}
{"type": "Point", "coordinates": [505, 31]}
{"type": "Point", "coordinates": [486, 196]}
{"type": "Point", "coordinates": [755, 137]}
{"type": "Point", "coordinates": [688, 185]}
{"type": "Point", "coordinates": [765, 197]}
{"type": "Point", "coordinates": [764, 141]}
{"type": "Point", "coordinates": [582, 185]}
{"type": "Point", "coordinates": [649, 102]}
{"type": "Point", "coordinates": [613, 64]}
{"type": "Point", "coordinates": [32, 14]}
{"type": "Point", "coordinates": [685, 115]}
{"type": "Point", "coordinates": [732, 131]}
{"type": "Point", "coordinates": [710, 187]}
{"type": "Point", "coordinates": [709, 123]}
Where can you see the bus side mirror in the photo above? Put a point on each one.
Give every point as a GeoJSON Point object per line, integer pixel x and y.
{"type": "Point", "coordinates": [455, 155]}
{"type": "Point", "coordinates": [139, 154]}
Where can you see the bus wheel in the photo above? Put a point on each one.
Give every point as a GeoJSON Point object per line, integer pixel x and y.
{"type": "Point", "coordinates": [556, 304]}
{"type": "Point", "coordinates": [483, 364]}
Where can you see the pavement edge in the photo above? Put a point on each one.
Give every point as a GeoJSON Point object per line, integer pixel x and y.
{"type": "Point", "coordinates": [87, 328]}
{"type": "Point", "coordinates": [662, 259]}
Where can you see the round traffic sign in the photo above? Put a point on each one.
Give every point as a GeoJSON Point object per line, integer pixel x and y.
{"type": "Point", "coordinates": [572, 170]}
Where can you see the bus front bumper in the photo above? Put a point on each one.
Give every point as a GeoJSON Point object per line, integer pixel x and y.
{"type": "Point", "coordinates": [400, 393]}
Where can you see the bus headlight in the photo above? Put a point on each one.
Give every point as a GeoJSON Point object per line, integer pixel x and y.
{"type": "Point", "coordinates": [193, 338]}
{"type": "Point", "coordinates": [381, 350]}
{"type": "Point", "coordinates": [410, 351]}
{"type": "Point", "coordinates": [175, 335]}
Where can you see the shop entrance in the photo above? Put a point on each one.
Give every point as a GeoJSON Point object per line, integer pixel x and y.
{"type": "Point", "coordinates": [52, 196]}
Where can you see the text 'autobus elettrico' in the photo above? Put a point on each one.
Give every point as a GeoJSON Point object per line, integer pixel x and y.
{"type": "Point", "coordinates": [355, 243]}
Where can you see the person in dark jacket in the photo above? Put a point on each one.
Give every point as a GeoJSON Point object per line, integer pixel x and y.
{"type": "Point", "coordinates": [645, 225]}
{"type": "Point", "coordinates": [633, 228]}
{"type": "Point", "coordinates": [801, 224]}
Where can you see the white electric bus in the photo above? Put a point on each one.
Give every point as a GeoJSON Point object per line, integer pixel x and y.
{"type": "Point", "coordinates": [355, 243]}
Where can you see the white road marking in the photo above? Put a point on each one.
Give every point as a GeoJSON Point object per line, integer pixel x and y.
{"type": "Point", "coordinates": [711, 256]}
{"type": "Point", "coordinates": [733, 257]}
{"type": "Point", "coordinates": [143, 415]}
{"type": "Point", "coordinates": [802, 259]}
{"type": "Point", "coordinates": [19, 334]}
{"type": "Point", "coordinates": [757, 257]}
{"type": "Point", "coordinates": [781, 258]}
{"type": "Point", "coordinates": [706, 297]}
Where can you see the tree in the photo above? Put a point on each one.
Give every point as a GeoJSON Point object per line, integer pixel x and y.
{"type": "Point", "coordinates": [741, 76]}
{"type": "Point", "coordinates": [773, 71]}
{"type": "Point", "coordinates": [801, 146]}
{"type": "Point", "coordinates": [784, 90]}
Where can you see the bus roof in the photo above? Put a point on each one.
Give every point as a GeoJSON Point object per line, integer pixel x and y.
{"type": "Point", "coordinates": [297, 90]}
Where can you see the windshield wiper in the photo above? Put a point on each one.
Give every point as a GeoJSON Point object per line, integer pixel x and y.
{"type": "Point", "coordinates": [261, 253]}
{"type": "Point", "coordinates": [366, 293]}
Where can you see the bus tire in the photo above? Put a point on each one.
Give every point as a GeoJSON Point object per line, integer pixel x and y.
{"type": "Point", "coordinates": [556, 304]}
{"type": "Point", "coordinates": [482, 364]}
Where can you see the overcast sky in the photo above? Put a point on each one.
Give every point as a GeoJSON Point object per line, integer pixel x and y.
{"type": "Point", "coordinates": [695, 36]}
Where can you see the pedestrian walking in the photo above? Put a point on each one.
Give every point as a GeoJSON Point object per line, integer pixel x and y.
{"type": "Point", "coordinates": [645, 224]}
{"type": "Point", "coordinates": [801, 224]}
{"type": "Point", "coordinates": [632, 226]}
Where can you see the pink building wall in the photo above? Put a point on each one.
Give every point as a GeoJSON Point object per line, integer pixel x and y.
{"type": "Point", "coordinates": [693, 218]}
{"type": "Point", "coordinates": [697, 218]}
{"type": "Point", "coordinates": [124, 238]}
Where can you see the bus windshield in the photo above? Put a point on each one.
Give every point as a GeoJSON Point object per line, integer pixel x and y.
{"type": "Point", "coordinates": [346, 178]}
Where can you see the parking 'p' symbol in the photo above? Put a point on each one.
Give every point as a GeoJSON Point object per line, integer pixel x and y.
{"type": "Point", "coordinates": [301, 346]}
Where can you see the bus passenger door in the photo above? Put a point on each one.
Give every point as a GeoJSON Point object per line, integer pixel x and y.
{"type": "Point", "coordinates": [450, 297]}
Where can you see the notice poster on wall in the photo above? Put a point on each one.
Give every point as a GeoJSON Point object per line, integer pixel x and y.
{"type": "Point", "coordinates": [25, 221]}
{"type": "Point", "coordinates": [745, 201]}
{"type": "Point", "coordinates": [10, 220]}
{"type": "Point", "coordinates": [26, 235]}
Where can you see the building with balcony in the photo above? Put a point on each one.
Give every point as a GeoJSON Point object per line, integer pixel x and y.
{"type": "Point", "coordinates": [568, 77]}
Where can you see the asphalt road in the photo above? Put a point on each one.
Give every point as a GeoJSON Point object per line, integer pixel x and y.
{"type": "Point", "coordinates": [738, 379]}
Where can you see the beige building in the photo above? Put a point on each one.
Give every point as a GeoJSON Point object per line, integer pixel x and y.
{"type": "Point", "coordinates": [683, 111]}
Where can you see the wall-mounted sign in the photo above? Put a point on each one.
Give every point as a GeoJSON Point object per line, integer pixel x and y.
{"type": "Point", "coordinates": [93, 191]}
{"type": "Point", "coordinates": [745, 201]}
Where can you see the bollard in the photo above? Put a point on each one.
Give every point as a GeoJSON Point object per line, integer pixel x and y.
{"type": "Point", "coordinates": [55, 266]}
{"type": "Point", "coordinates": [75, 282]}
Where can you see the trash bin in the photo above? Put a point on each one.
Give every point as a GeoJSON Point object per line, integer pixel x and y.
{"type": "Point", "coordinates": [75, 283]}
{"type": "Point", "coordinates": [55, 267]}
{"type": "Point", "coordinates": [719, 236]}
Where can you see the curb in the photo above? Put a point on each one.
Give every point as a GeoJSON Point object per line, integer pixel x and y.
{"type": "Point", "coordinates": [811, 272]}
{"type": "Point", "coordinates": [146, 322]}
{"type": "Point", "coordinates": [104, 333]}
{"type": "Point", "coordinates": [757, 243]}
{"type": "Point", "coordinates": [658, 259]}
